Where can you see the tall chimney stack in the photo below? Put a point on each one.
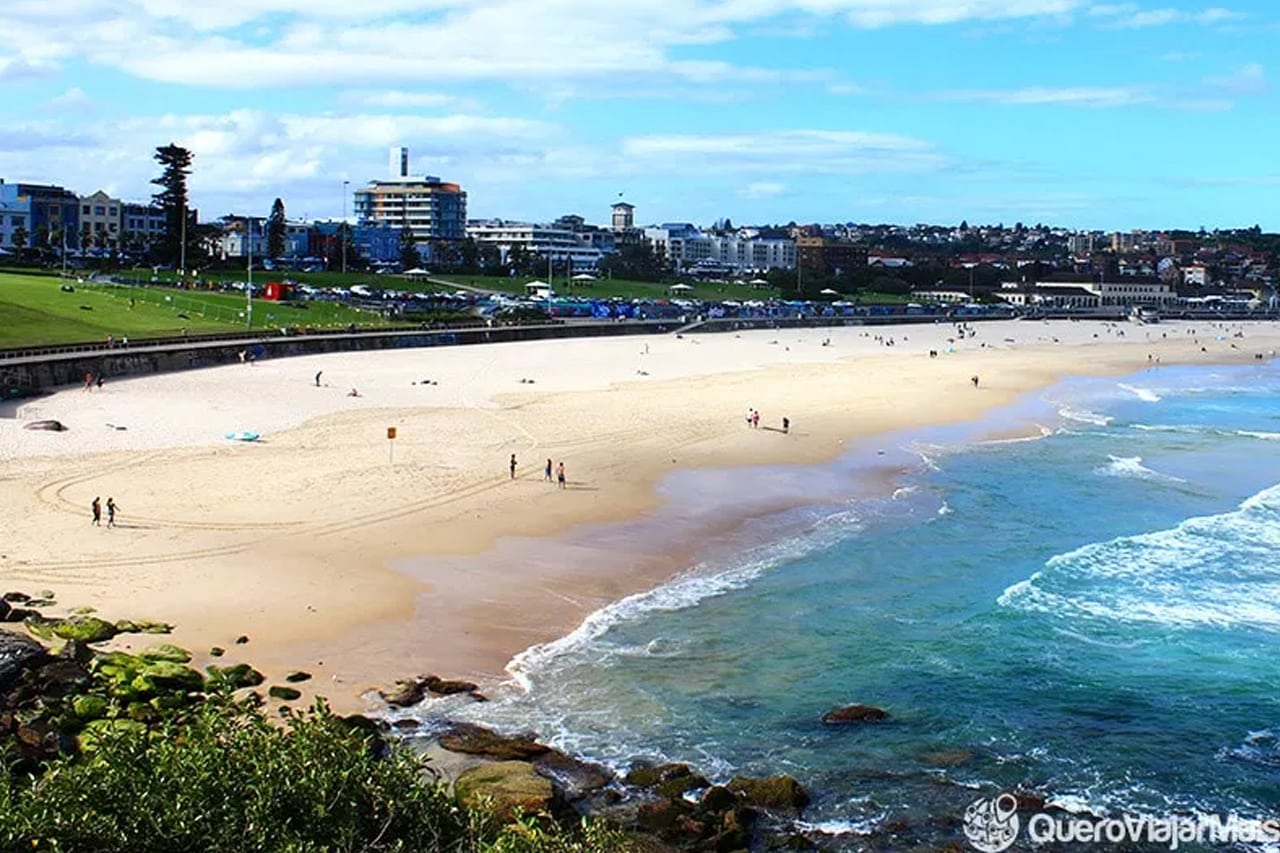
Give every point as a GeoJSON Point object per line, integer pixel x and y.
{"type": "Point", "coordinates": [399, 163]}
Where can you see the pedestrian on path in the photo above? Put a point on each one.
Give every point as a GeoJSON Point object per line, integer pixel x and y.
{"type": "Point", "coordinates": [513, 466]}
{"type": "Point", "coordinates": [548, 471]}
{"type": "Point", "coordinates": [560, 475]}
{"type": "Point", "coordinates": [111, 512]}
{"type": "Point", "coordinates": [96, 507]}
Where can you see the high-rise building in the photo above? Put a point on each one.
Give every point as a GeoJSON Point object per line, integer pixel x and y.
{"type": "Point", "coordinates": [53, 210]}
{"type": "Point", "coordinates": [431, 209]}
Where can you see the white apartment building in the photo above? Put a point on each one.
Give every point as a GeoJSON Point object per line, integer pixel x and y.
{"type": "Point", "coordinates": [429, 208]}
{"type": "Point", "coordinates": [549, 241]}
{"type": "Point", "coordinates": [1089, 294]}
{"type": "Point", "coordinates": [685, 247]}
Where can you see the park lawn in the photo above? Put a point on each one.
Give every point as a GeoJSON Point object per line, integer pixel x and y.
{"type": "Point", "coordinates": [605, 288]}
{"type": "Point", "coordinates": [34, 311]}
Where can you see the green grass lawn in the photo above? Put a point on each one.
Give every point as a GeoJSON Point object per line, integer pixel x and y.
{"type": "Point", "coordinates": [613, 287]}
{"type": "Point", "coordinates": [35, 311]}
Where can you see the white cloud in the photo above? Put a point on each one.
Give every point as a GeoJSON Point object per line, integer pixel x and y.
{"type": "Point", "coordinates": [763, 189]}
{"type": "Point", "coordinates": [74, 100]}
{"type": "Point", "coordinates": [1072, 96]}
{"type": "Point", "coordinates": [396, 99]}
{"type": "Point", "coordinates": [785, 151]}
{"type": "Point", "coordinates": [1249, 79]}
{"type": "Point", "coordinates": [252, 43]}
{"type": "Point", "coordinates": [1132, 16]}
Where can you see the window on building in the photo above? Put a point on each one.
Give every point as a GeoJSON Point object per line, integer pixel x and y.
{"type": "Point", "coordinates": [85, 210]}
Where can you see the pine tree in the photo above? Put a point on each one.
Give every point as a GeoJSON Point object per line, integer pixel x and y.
{"type": "Point", "coordinates": [172, 198]}
{"type": "Point", "coordinates": [275, 230]}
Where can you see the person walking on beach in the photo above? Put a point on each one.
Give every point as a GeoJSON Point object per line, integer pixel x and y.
{"type": "Point", "coordinates": [111, 512]}
{"type": "Point", "coordinates": [318, 372]}
{"type": "Point", "coordinates": [755, 420]}
{"type": "Point", "coordinates": [560, 475]}
{"type": "Point", "coordinates": [786, 425]}
{"type": "Point", "coordinates": [96, 507]}
{"type": "Point", "coordinates": [974, 380]}
{"type": "Point", "coordinates": [548, 471]}
{"type": "Point", "coordinates": [513, 466]}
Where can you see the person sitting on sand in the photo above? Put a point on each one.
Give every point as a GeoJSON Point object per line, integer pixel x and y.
{"type": "Point", "coordinates": [353, 393]}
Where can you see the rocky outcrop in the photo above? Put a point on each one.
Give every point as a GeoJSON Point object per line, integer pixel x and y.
{"type": "Point", "coordinates": [410, 692]}
{"type": "Point", "coordinates": [572, 778]}
{"type": "Point", "coordinates": [855, 714]}
{"type": "Point", "coordinates": [477, 740]}
{"type": "Point", "coordinates": [18, 653]}
{"type": "Point", "coordinates": [509, 787]}
{"type": "Point", "coordinates": [781, 794]}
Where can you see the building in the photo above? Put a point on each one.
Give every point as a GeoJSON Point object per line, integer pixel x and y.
{"type": "Point", "coordinates": [1078, 292]}
{"type": "Point", "coordinates": [15, 221]}
{"type": "Point", "coordinates": [239, 236]}
{"type": "Point", "coordinates": [100, 221]}
{"type": "Point", "coordinates": [624, 216]}
{"type": "Point", "coordinates": [554, 242]}
{"type": "Point", "coordinates": [53, 210]}
{"type": "Point", "coordinates": [143, 225]}
{"type": "Point", "coordinates": [828, 255]}
{"type": "Point", "coordinates": [431, 209]}
{"type": "Point", "coordinates": [1081, 244]}
{"type": "Point", "coordinates": [370, 241]}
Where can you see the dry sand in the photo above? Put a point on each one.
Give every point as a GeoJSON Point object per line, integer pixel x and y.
{"type": "Point", "coordinates": [307, 540]}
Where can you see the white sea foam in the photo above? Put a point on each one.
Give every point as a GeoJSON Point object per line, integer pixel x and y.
{"type": "Point", "coordinates": [1084, 416]}
{"type": "Point", "coordinates": [837, 827]}
{"type": "Point", "coordinates": [1144, 394]}
{"type": "Point", "coordinates": [1214, 570]}
{"type": "Point", "coordinates": [1131, 466]}
{"type": "Point", "coordinates": [945, 509]}
{"type": "Point", "coordinates": [1265, 436]}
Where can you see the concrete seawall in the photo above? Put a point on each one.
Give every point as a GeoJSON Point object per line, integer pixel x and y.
{"type": "Point", "coordinates": [33, 374]}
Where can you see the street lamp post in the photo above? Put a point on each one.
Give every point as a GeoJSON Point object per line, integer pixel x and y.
{"type": "Point", "coordinates": [342, 230]}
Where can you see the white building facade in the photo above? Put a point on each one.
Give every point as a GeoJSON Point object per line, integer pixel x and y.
{"type": "Point", "coordinates": [549, 241]}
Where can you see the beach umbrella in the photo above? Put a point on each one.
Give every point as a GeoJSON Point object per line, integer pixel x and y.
{"type": "Point", "coordinates": [826, 291]}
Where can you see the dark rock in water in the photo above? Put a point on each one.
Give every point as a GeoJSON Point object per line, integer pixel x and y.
{"type": "Point", "coordinates": [945, 757]}
{"type": "Point", "coordinates": [279, 691]}
{"type": "Point", "coordinates": [446, 687]}
{"type": "Point", "coordinates": [477, 740]}
{"type": "Point", "coordinates": [660, 816]}
{"type": "Point", "coordinates": [717, 799]}
{"type": "Point", "coordinates": [49, 425]}
{"type": "Point", "coordinates": [296, 677]}
{"type": "Point", "coordinates": [478, 696]}
{"type": "Point", "coordinates": [678, 786]}
{"type": "Point", "coordinates": [734, 831]}
{"type": "Point", "coordinates": [855, 714]}
{"type": "Point", "coordinates": [509, 786]}
{"type": "Point", "coordinates": [405, 723]}
{"type": "Point", "coordinates": [573, 777]}
{"type": "Point", "coordinates": [405, 694]}
{"type": "Point", "coordinates": [1029, 802]}
{"type": "Point", "coordinates": [772, 793]}
{"type": "Point", "coordinates": [650, 776]}
{"type": "Point", "coordinates": [18, 653]}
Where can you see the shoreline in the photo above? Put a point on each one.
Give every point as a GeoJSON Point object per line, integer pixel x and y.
{"type": "Point", "coordinates": [302, 552]}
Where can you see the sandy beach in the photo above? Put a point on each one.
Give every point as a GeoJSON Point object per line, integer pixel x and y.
{"type": "Point", "coordinates": [311, 541]}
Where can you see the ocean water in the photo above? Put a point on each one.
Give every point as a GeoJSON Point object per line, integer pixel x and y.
{"type": "Point", "coordinates": [1093, 615]}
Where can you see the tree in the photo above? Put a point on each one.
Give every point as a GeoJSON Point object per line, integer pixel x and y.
{"type": "Point", "coordinates": [86, 237]}
{"type": "Point", "coordinates": [172, 198]}
{"type": "Point", "coordinates": [275, 230]}
{"type": "Point", "coordinates": [19, 239]}
{"type": "Point", "coordinates": [410, 257]}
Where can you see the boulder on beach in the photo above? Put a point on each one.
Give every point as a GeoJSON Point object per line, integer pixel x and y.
{"type": "Point", "coordinates": [508, 786]}
{"type": "Point", "coordinates": [477, 740]}
{"type": "Point", "coordinates": [855, 714]}
{"type": "Point", "coordinates": [447, 687]}
{"type": "Point", "coordinates": [18, 653]}
{"type": "Point", "coordinates": [405, 693]}
{"type": "Point", "coordinates": [49, 425]}
{"type": "Point", "coordinates": [571, 776]}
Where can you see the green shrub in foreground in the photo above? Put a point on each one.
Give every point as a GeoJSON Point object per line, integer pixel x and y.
{"type": "Point", "coordinates": [227, 779]}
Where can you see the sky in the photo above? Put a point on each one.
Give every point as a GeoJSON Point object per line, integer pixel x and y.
{"type": "Point", "coordinates": [1109, 115]}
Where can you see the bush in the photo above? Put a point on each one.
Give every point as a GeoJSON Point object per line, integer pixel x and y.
{"type": "Point", "coordinates": [225, 778]}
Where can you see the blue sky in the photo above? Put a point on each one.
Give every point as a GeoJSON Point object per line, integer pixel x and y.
{"type": "Point", "coordinates": [1110, 115]}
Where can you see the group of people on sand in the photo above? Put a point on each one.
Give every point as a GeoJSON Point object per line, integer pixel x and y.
{"type": "Point", "coordinates": [91, 380]}
{"type": "Point", "coordinates": [753, 421]}
{"type": "Point", "coordinates": [559, 471]}
{"type": "Point", "coordinates": [96, 509]}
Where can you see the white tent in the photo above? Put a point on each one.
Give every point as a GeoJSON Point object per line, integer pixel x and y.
{"type": "Point", "coordinates": [538, 290]}
{"type": "Point", "coordinates": [826, 291]}
{"type": "Point", "coordinates": [757, 282]}
{"type": "Point", "coordinates": [679, 288]}
{"type": "Point", "coordinates": [584, 276]}
{"type": "Point", "coordinates": [416, 272]}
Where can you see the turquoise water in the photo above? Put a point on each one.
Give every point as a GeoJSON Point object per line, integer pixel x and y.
{"type": "Point", "coordinates": [1093, 615]}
